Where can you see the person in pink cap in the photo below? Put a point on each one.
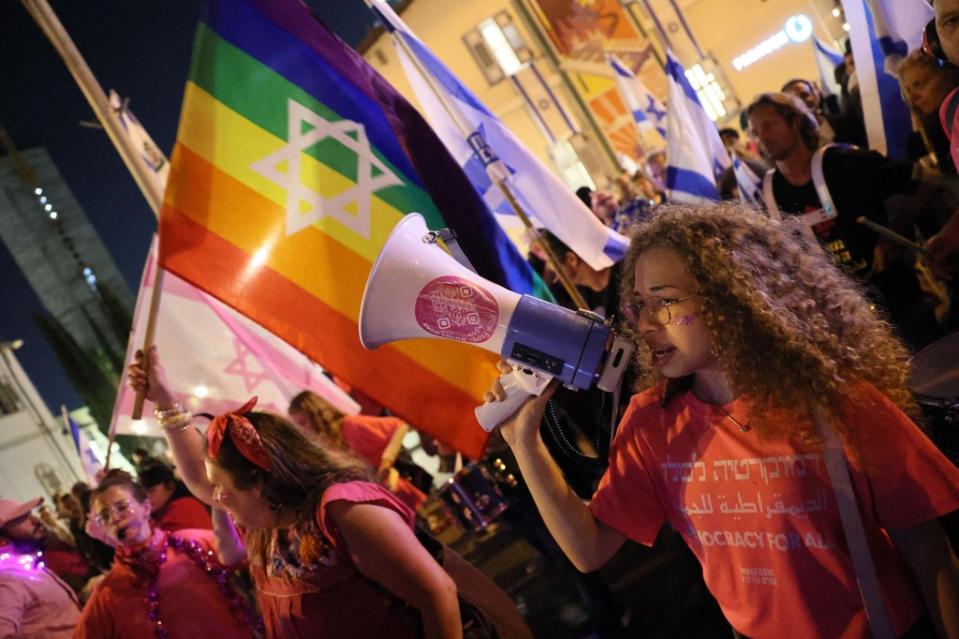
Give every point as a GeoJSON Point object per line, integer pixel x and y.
{"type": "Point", "coordinates": [34, 602]}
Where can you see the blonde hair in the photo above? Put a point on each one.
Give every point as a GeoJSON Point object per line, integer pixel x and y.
{"type": "Point", "coordinates": [325, 418]}
{"type": "Point", "coordinates": [790, 329]}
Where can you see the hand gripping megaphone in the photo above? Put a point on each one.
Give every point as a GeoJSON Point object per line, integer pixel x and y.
{"type": "Point", "coordinates": [416, 289]}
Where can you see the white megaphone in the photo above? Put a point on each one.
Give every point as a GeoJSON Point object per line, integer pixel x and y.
{"type": "Point", "coordinates": [416, 289]}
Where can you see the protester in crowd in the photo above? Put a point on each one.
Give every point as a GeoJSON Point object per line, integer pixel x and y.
{"type": "Point", "coordinates": [736, 147]}
{"type": "Point", "coordinates": [34, 602]}
{"type": "Point", "coordinates": [53, 526]}
{"type": "Point", "coordinates": [604, 205]}
{"type": "Point", "coordinates": [925, 84]}
{"type": "Point", "coordinates": [142, 457]}
{"type": "Point", "coordinates": [727, 183]}
{"type": "Point", "coordinates": [172, 507]}
{"type": "Point", "coordinates": [788, 134]}
{"type": "Point", "coordinates": [28, 535]}
{"type": "Point", "coordinates": [592, 284]}
{"type": "Point", "coordinates": [657, 165]}
{"type": "Point", "coordinates": [632, 203]}
{"type": "Point", "coordinates": [376, 440]}
{"type": "Point", "coordinates": [646, 188]}
{"type": "Point", "coordinates": [95, 552]}
{"type": "Point", "coordinates": [331, 552]}
{"type": "Point", "coordinates": [850, 98]}
{"type": "Point", "coordinates": [834, 126]}
{"type": "Point", "coordinates": [755, 350]}
{"type": "Point", "coordinates": [585, 195]}
{"type": "Point", "coordinates": [164, 585]}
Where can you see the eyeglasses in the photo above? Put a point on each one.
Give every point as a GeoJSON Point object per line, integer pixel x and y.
{"type": "Point", "coordinates": [655, 307]}
{"type": "Point", "coordinates": [119, 509]}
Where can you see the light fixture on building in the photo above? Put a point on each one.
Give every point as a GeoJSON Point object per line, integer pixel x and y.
{"type": "Point", "coordinates": [798, 28]}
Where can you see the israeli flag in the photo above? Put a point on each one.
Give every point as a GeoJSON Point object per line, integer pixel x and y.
{"type": "Point", "coordinates": [489, 152]}
{"type": "Point", "coordinates": [827, 59]}
{"type": "Point", "coordinates": [882, 33]}
{"type": "Point", "coordinates": [648, 112]}
{"type": "Point", "coordinates": [89, 460]}
{"type": "Point", "coordinates": [750, 185]}
{"type": "Point", "coordinates": [695, 152]}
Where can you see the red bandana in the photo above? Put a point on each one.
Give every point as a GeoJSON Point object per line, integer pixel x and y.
{"type": "Point", "coordinates": [242, 433]}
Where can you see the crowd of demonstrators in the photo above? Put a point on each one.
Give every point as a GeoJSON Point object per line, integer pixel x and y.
{"type": "Point", "coordinates": [750, 338]}
{"type": "Point", "coordinates": [376, 440]}
{"type": "Point", "coordinates": [330, 550]}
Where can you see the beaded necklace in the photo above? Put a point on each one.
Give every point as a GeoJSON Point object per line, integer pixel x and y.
{"type": "Point", "coordinates": [205, 560]}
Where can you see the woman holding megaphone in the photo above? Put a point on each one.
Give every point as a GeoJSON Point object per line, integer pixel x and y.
{"type": "Point", "coordinates": [773, 433]}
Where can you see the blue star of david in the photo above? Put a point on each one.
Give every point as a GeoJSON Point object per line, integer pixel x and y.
{"type": "Point", "coordinates": [652, 110]}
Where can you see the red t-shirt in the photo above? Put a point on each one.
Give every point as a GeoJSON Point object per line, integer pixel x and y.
{"type": "Point", "coordinates": [330, 598]}
{"type": "Point", "coordinates": [761, 517]}
{"type": "Point", "coordinates": [191, 603]}
{"type": "Point", "coordinates": [368, 437]}
{"type": "Point", "coordinates": [183, 512]}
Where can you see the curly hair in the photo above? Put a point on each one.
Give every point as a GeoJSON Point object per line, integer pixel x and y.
{"type": "Point", "coordinates": [325, 418]}
{"type": "Point", "coordinates": [300, 472]}
{"type": "Point", "coordinates": [791, 329]}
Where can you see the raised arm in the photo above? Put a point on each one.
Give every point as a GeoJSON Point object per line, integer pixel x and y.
{"type": "Point", "coordinates": [186, 443]}
{"type": "Point", "coordinates": [586, 541]}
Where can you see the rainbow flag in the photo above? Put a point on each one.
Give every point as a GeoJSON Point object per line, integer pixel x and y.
{"type": "Point", "coordinates": [294, 160]}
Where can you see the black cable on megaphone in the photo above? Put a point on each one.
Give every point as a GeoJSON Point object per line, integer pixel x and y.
{"type": "Point", "coordinates": [416, 289]}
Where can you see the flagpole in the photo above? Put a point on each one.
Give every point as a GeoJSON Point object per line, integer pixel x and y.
{"type": "Point", "coordinates": [551, 256]}
{"type": "Point", "coordinates": [51, 26]}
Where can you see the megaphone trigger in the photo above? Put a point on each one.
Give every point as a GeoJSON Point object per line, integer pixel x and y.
{"type": "Point", "coordinates": [520, 384]}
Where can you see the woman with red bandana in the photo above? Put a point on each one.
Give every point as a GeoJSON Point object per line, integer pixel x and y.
{"type": "Point", "coordinates": [332, 553]}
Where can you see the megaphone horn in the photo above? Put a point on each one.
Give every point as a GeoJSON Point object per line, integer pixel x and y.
{"type": "Point", "coordinates": [417, 290]}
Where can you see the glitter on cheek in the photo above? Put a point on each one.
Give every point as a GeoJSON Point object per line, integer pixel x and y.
{"type": "Point", "coordinates": [683, 320]}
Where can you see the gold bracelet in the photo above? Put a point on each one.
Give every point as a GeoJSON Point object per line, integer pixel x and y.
{"type": "Point", "coordinates": [163, 414]}
{"type": "Point", "coordinates": [176, 421]}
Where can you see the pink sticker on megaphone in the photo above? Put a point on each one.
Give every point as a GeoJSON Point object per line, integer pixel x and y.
{"type": "Point", "coordinates": [458, 309]}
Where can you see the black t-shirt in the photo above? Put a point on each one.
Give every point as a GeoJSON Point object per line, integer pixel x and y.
{"type": "Point", "coordinates": [859, 182]}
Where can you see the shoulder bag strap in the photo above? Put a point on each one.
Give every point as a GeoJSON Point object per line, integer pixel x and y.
{"type": "Point", "coordinates": [869, 588]}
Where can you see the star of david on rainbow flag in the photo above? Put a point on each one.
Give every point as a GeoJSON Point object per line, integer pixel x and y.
{"type": "Point", "coordinates": [294, 160]}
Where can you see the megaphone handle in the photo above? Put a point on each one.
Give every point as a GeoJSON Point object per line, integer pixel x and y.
{"type": "Point", "coordinates": [519, 385]}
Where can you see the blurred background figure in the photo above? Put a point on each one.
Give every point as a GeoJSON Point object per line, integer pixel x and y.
{"type": "Point", "coordinates": [376, 440]}
{"type": "Point", "coordinates": [925, 84]}
{"type": "Point", "coordinates": [172, 505]}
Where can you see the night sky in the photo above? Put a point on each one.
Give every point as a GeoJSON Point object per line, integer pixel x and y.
{"type": "Point", "coordinates": [142, 50]}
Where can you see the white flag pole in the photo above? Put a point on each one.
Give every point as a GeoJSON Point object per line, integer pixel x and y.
{"type": "Point", "coordinates": [52, 27]}
{"type": "Point", "coordinates": [551, 256]}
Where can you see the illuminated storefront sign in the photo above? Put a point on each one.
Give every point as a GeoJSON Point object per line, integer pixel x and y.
{"type": "Point", "coordinates": [798, 28]}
